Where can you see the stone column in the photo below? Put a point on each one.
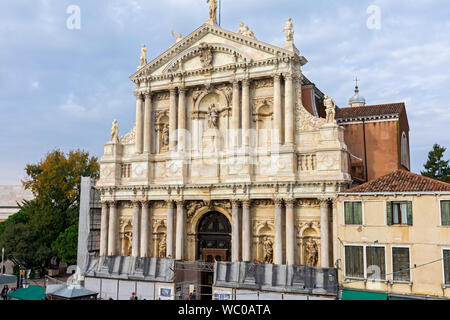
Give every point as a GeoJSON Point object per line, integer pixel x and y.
{"type": "Point", "coordinates": [172, 120]}
{"type": "Point", "coordinates": [148, 123]}
{"type": "Point", "coordinates": [324, 234]}
{"type": "Point", "coordinates": [235, 115]}
{"type": "Point", "coordinates": [278, 245]}
{"type": "Point", "coordinates": [145, 230]}
{"type": "Point", "coordinates": [169, 230]}
{"type": "Point", "coordinates": [113, 230]}
{"type": "Point", "coordinates": [246, 231]}
{"type": "Point", "coordinates": [136, 229]}
{"type": "Point", "coordinates": [290, 231]}
{"type": "Point", "coordinates": [104, 230]}
{"type": "Point", "coordinates": [139, 122]}
{"type": "Point", "coordinates": [289, 113]}
{"type": "Point", "coordinates": [235, 237]}
{"type": "Point", "coordinates": [277, 118]}
{"type": "Point", "coordinates": [180, 230]}
{"type": "Point", "coordinates": [181, 119]}
{"type": "Point", "coordinates": [246, 113]}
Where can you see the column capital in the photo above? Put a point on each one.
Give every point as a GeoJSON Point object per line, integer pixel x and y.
{"type": "Point", "coordinates": [290, 202]}
{"type": "Point", "coordinates": [173, 90]}
{"type": "Point", "coordinates": [235, 83]}
{"type": "Point", "coordinates": [148, 94]}
{"type": "Point", "coordinates": [278, 202]}
{"type": "Point", "coordinates": [288, 76]}
{"type": "Point", "coordinates": [246, 82]}
{"type": "Point", "coordinates": [180, 203]}
{"type": "Point", "coordinates": [235, 203]}
{"type": "Point", "coordinates": [139, 95]}
{"type": "Point", "coordinates": [324, 202]}
{"type": "Point", "coordinates": [170, 204]}
{"type": "Point", "coordinates": [145, 204]}
{"type": "Point", "coordinates": [136, 203]}
{"type": "Point", "coordinates": [113, 203]}
{"type": "Point", "coordinates": [277, 77]}
{"type": "Point", "coordinates": [182, 90]}
{"type": "Point", "coordinates": [246, 204]}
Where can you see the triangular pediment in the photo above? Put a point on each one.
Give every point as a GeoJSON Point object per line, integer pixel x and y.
{"type": "Point", "coordinates": [228, 48]}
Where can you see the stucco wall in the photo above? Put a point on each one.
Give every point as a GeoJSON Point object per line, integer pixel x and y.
{"type": "Point", "coordinates": [426, 240]}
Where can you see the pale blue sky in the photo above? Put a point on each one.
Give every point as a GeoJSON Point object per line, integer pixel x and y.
{"type": "Point", "coordinates": [62, 88]}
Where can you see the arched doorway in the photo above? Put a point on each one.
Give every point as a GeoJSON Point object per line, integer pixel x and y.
{"type": "Point", "coordinates": [214, 244]}
{"type": "Point", "coordinates": [214, 238]}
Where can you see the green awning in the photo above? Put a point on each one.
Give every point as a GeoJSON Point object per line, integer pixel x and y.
{"type": "Point", "coordinates": [31, 293]}
{"type": "Point", "coordinates": [362, 295]}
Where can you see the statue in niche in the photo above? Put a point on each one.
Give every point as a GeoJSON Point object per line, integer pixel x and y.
{"type": "Point", "coordinates": [143, 58]}
{"type": "Point", "coordinates": [178, 36]}
{"type": "Point", "coordinates": [212, 10]}
{"type": "Point", "coordinates": [268, 250]}
{"type": "Point", "coordinates": [213, 115]}
{"type": "Point", "coordinates": [162, 248]}
{"type": "Point", "coordinates": [330, 109]}
{"type": "Point", "coordinates": [165, 136]}
{"type": "Point", "coordinates": [312, 253]}
{"type": "Point", "coordinates": [115, 132]}
{"type": "Point", "coordinates": [128, 237]}
{"type": "Point", "coordinates": [289, 30]}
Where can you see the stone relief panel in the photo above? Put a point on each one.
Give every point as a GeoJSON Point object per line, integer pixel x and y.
{"type": "Point", "coordinates": [162, 130]}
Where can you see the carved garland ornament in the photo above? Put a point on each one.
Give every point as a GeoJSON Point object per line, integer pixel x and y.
{"type": "Point", "coordinates": [130, 137]}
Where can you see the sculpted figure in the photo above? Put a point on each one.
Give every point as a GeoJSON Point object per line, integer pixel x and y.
{"type": "Point", "coordinates": [178, 37]}
{"type": "Point", "coordinates": [143, 58]}
{"type": "Point", "coordinates": [115, 132]}
{"type": "Point", "coordinates": [289, 30]}
{"type": "Point", "coordinates": [212, 10]}
{"type": "Point", "coordinates": [241, 28]}
{"type": "Point", "coordinates": [162, 248]}
{"type": "Point", "coordinates": [245, 31]}
{"type": "Point", "coordinates": [268, 250]}
{"type": "Point", "coordinates": [212, 116]}
{"type": "Point", "coordinates": [129, 238]}
{"type": "Point", "coordinates": [165, 136]}
{"type": "Point", "coordinates": [330, 109]}
{"type": "Point", "coordinates": [312, 253]}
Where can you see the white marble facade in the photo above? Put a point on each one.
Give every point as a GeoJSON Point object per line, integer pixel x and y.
{"type": "Point", "coordinates": [220, 126]}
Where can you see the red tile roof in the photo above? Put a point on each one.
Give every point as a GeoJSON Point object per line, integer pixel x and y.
{"type": "Point", "coordinates": [401, 181]}
{"type": "Point", "coordinates": [369, 111]}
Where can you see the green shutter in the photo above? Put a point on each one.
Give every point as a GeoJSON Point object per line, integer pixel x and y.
{"type": "Point", "coordinates": [357, 213]}
{"type": "Point", "coordinates": [410, 214]}
{"type": "Point", "coordinates": [445, 213]}
{"type": "Point", "coordinates": [348, 212]}
{"type": "Point", "coordinates": [389, 213]}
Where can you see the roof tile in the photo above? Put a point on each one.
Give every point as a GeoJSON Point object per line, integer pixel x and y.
{"type": "Point", "coordinates": [369, 111]}
{"type": "Point", "coordinates": [401, 181]}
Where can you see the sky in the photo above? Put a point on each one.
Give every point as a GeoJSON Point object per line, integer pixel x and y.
{"type": "Point", "coordinates": [63, 83]}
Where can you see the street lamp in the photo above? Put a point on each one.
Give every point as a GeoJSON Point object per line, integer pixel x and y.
{"type": "Point", "coordinates": [3, 263]}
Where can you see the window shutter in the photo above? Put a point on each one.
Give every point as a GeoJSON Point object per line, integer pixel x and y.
{"type": "Point", "coordinates": [445, 213]}
{"type": "Point", "coordinates": [389, 213]}
{"type": "Point", "coordinates": [358, 212]}
{"type": "Point", "coordinates": [410, 215]}
{"type": "Point", "coordinates": [348, 212]}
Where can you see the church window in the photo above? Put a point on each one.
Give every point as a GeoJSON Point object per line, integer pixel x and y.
{"type": "Point", "coordinates": [354, 262]}
{"type": "Point", "coordinates": [126, 170]}
{"type": "Point", "coordinates": [399, 213]}
{"type": "Point", "coordinates": [400, 264]}
{"type": "Point", "coordinates": [445, 212]}
{"type": "Point", "coordinates": [353, 212]}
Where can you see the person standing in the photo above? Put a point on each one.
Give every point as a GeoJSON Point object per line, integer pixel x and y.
{"type": "Point", "coordinates": [4, 293]}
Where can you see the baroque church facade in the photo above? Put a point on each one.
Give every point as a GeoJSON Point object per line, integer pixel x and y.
{"type": "Point", "coordinates": [226, 160]}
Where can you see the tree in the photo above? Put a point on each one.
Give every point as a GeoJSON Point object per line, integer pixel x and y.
{"type": "Point", "coordinates": [66, 245]}
{"type": "Point", "coordinates": [436, 167]}
{"type": "Point", "coordinates": [30, 236]}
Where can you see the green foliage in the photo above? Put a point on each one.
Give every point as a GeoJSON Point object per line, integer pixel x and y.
{"type": "Point", "coordinates": [44, 227]}
{"type": "Point", "coordinates": [66, 245]}
{"type": "Point", "coordinates": [436, 167]}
